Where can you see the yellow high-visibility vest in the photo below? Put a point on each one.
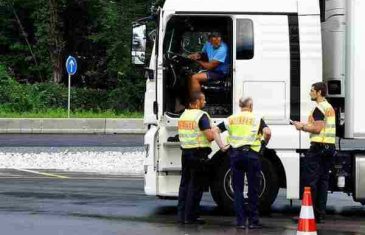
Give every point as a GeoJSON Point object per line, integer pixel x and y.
{"type": "Point", "coordinates": [188, 127]}
{"type": "Point", "coordinates": [328, 133]}
{"type": "Point", "coordinates": [243, 130]}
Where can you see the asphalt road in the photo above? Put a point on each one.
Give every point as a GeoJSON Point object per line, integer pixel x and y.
{"type": "Point", "coordinates": [56, 202]}
{"type": "Point", "coordinates": [33, 203]}
{"type": "Point", "coordinates": [71, 140]}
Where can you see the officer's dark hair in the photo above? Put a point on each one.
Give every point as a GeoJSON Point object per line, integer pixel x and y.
{"type": "Point", "coordinates": [320, 86]}
{"type": "Point", "coordinates": [195, 96]}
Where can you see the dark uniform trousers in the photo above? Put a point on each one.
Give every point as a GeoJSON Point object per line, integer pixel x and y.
{"type": "Point", "coordinates": [193, 179]}
{"type": "Point", "coordinates": [245, 161]}
{"type": "Point", "coordinates": [315, 174]}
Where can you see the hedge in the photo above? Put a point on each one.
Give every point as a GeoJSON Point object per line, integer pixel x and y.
{"type": "Point", "coordinates": [16, 97]}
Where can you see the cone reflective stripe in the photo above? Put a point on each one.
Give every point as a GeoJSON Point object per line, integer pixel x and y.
{"type": "Point", "coordinates": [306, 212]}
{"type": "Point", "coordinates": [306, 233]}
{"type": "Point", "coordinates": [307, 223]}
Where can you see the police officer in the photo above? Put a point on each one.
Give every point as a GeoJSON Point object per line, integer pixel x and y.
{"type": "Point", "coordinates": [195, 135]}
{"type": "Point", "coordinates": [322, 128]}
{"type": "Point", "coordinates": [245, 137]}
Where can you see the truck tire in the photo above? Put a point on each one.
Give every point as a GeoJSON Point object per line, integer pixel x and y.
{"type": "Point", "coordinates": [222, 191]}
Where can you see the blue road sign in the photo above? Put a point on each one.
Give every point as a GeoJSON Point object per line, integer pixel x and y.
{"type": "Point", "coordinates": [71, 65]}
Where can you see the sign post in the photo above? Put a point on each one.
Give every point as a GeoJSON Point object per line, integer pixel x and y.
{"type": "Point", "coordinates": [71, 67]}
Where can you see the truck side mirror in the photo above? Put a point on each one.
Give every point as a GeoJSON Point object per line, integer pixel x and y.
{"type": "Point", "coordinates": [138, 50]}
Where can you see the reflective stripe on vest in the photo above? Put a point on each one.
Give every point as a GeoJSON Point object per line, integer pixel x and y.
{"type": "Point", "coordinates": [190, 134]}
{"type": "Point", "coordinates": [243, 130]}
{"type": "Point", "coordinates": [328, 133]}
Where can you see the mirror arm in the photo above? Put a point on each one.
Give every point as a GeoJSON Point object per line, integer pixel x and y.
{"type": "Point", "coordinates": [144, 20]}
{"type": "Point", "coordinates": [150, 73]}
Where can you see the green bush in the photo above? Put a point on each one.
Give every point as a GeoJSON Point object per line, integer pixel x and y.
{"type": "Point", "coordinates": [129, 93]}
{"type": "Point", "coordinates": [40, 97]}
{"type": "Point", "coordinates": [13, 96]}
{"type": "Point", "coordinates": [3, 73]}
{"type": "Point", "coordinates": [90, 99]}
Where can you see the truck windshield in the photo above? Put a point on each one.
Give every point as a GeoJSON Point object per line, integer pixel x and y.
{"type": "Point", "coordinates": [193, 41]}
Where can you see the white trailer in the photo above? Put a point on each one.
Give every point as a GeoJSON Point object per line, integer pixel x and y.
{"type": "Point", "coordinates": [277, 50]}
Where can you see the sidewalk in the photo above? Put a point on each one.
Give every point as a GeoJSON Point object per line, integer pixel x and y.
{"type": "Point", "coordinates": [71, 125]}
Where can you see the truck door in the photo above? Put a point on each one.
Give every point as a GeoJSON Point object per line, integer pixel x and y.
{"type": "Point", "coordinates": [262, 69]}
{"type": "Point", "coordinates": [153, 94]}
{"type": "Point", "coordinates": [151, 117]}
{"type": "Point", "coordinates": [150, 100]}
{"type": "Point", "coordinates": [167, 152]}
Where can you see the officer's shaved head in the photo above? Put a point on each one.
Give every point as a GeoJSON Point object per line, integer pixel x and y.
{"type": "Point", "coordinates": [195, 97]}
{"type": "Point", "coordinates": [246, 102]}
{"type": "Point", "coordinates": [197, 100]}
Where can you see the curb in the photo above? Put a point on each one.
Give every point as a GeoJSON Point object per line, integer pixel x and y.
{"type": "Point", "coordinates": [72, 125]}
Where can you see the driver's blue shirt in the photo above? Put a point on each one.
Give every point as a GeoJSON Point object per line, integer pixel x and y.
{"type": "Point", "coordinates": [219, 54]}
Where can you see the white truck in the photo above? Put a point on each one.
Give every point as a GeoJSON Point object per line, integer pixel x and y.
{"type": "Point", "coordinates": [277, 49]}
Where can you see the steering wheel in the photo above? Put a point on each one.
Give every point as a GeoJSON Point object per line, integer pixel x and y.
{"type": "Point", "coordinates": [178, 65]}
{"type": "Point", "coordinates": [178, 58]}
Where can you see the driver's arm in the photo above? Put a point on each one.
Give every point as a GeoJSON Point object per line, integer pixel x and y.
{"type": "Point", "coordinates": [209, 65]}
{"type": "Point", "coordinates": [195, 56]}
{"type": "Point", "coordinates": [198, 55]}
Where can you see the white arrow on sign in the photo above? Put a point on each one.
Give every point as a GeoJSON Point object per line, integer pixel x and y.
{"type": "Point", "coordinates": [72, 65]}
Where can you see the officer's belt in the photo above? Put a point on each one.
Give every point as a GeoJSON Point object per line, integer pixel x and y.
{"type": "Point", "coordinates": [204, 150]}
{"type": "Point", "coordinates": [322, 145]}
{"type": "Point", "coordinates": [244, 148]}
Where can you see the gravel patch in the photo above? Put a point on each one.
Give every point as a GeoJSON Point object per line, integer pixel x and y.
{"type": "Point", "coordinates": [106, 160]}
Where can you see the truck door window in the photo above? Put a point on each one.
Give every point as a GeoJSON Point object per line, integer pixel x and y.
{"type": "Point", "coordinates": [245, 43]}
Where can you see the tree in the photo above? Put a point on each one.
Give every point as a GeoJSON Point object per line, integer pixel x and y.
{"type": "Point", "coordinates": [37, 36]}
{"type": "Point", "coordinates": [55, 38]}
{"type": "Point", "coordinates": [10, 6]}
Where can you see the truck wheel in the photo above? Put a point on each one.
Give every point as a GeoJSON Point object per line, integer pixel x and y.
{"type": "Point", "coordinates": [222, 190]}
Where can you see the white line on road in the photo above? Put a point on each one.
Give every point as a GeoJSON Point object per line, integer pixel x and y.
{"type": "Point", "coordinates": [42, 173]}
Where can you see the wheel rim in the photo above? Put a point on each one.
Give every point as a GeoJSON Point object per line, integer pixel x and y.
{"type": "Point", "coordinates": [228, 187]}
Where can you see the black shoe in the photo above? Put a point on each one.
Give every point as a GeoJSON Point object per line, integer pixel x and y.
{"type": "Point", "coordinates": [255, 226]}
{"type": "Point", "coordinates": [242, 226]}
{"type": "Point", "coordinates": [188, 222]}
{"type": "Point", "coordinates": [200, 221]}
{"type": "Point", "coordinates": [320, 219]}
{"type": "Point", "coordinates": [197, 221]}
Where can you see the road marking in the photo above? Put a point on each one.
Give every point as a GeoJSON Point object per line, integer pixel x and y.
{"type": "Point", "coordinates": [43, 173]}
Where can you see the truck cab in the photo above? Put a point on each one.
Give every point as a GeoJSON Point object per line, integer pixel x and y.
{"type": "Point", "coordinates": [277, 50]}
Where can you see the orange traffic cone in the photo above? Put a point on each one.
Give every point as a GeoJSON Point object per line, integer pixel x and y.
{"type": "Point", "coordinates": [307, 222]}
